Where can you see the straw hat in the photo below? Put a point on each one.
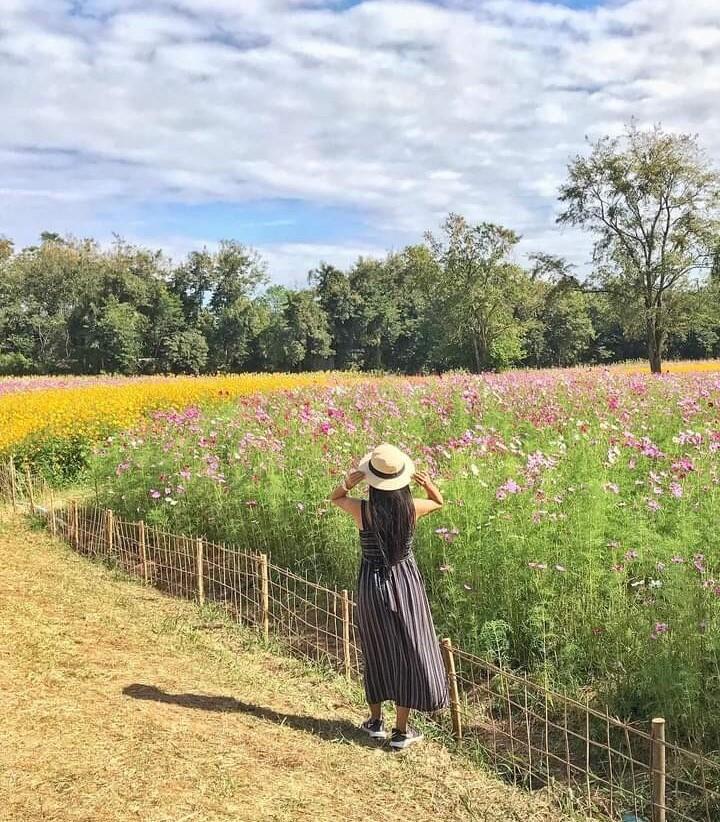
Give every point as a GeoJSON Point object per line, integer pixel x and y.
{"type": "Point", "coordinates": [387, 468]}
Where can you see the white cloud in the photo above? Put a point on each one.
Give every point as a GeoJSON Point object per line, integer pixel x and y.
{"type": "Point", "coordinates": [401, 109]}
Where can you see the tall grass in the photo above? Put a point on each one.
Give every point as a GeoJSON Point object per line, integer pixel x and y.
{"type": "Point", "coordinates": [579, 537]}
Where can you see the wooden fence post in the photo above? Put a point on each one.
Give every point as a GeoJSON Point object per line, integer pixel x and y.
{"type": "Point", "coordinates": [264, 595]}
{"type": "Point", "coordinates": [74, 531]}
{"type": "Point", "coordinates": [28, 479]}
{"type": "Point", "coordinates": [13, 484]}
{"type": "Point", "coordinates": [110, 531]}
{"type": "Point", "coordinates": [657, 764]}
{"type": "Point", "coordinates": [346, 631]}
{"type": "Point", "coordinates": [199, 571]}
{"type": "Point", "coordinates": [53, 520]}
{"type": "Point", "coordinates": [143, 552]}
{"type": "Point", "coordinates": [449, 659]}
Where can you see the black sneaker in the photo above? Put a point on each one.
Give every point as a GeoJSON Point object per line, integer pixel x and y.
{"type": "Point", "coordinates": [374, 728]}
{"type": "Point", "coordinates": [400, 739]}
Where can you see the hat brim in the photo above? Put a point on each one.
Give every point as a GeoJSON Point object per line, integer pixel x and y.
{"type": "Point", "coordinates": [387, 484]}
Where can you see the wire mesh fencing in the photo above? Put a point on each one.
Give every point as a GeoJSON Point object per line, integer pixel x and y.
{"type": "Point", "coordinates": [529, 734]}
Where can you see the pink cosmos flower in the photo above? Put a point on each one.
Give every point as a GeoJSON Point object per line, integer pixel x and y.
{"type": "Point", "coordinates": [682, 467]}
{"type": "Point", "coordinates": [509, 487]}
{"type": "Point", "coordinates": [659, 630]}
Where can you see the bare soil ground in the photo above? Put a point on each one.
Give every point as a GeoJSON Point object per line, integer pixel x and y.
{"type": "Point", "coordinates": [119, 703]}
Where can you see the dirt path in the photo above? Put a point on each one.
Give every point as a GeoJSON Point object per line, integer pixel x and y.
{"type": "Point", "coordinates": [121, 704]}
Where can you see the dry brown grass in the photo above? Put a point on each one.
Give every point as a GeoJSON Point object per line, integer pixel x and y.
{"type": "Point", "coordinates": [121, 704]}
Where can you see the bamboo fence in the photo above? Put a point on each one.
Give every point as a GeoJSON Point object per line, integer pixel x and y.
{"type": "Point", "coordinates": [528, 734]}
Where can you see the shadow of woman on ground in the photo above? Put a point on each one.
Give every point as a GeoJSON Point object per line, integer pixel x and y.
{"type": "Point", "coordinates": [334, 730]}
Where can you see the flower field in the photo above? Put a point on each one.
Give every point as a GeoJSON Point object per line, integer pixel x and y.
{"type": "Point", "coordinates": [579, 538]}
{"type": "Point", "coordinates": [53, 422]}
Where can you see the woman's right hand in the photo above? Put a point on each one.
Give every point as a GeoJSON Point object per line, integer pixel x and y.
{"type": "Point", "coordinates": [353, 477]}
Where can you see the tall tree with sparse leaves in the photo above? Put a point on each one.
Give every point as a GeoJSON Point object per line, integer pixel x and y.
{"type": "Point", "coordinates": [651, 199]}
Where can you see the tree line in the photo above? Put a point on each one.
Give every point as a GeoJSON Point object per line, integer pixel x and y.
{"type": "Point", "coordinates": [459, 299]}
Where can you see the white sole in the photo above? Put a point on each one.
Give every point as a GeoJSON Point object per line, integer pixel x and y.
{"type": "Point", "coordinates": [406, 743]}
{"type": "Point", "coordinates": [375, 734]}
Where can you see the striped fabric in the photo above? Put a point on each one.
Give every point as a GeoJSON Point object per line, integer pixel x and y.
{"type": "Point", "coordinates": [402, 656]}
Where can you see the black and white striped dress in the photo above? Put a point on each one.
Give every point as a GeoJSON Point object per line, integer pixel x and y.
{"type": "Point", "coordinates": [400, 648]}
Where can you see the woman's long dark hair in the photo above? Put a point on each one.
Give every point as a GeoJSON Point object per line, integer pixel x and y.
{"type": "Point", "coordinates": [393, 520]}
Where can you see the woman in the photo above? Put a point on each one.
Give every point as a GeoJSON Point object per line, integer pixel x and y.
{"type": "Point", "coordinates": [400, 648]}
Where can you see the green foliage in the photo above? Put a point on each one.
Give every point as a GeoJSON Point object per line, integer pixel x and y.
{"type": "Point", "coordinates": [15, 365]}
{"type": "Point", "coordinates": [456, 301]}
{"type": "Point", "coordinates": [184, 352]}
{"type": "Point", "coordinates": [651, 199]}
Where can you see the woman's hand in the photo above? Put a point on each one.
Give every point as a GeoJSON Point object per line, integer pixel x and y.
{"type": "Point", "coordinates": [422, 478]}
{"type": "Point", "coordinates": [353, 477]}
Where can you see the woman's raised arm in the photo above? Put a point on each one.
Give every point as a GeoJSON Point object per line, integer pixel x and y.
{"type": "Point", "coordinates": [435, 499]}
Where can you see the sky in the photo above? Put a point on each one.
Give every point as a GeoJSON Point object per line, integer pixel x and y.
{"type": "Point", "coordinates": [328, 129]}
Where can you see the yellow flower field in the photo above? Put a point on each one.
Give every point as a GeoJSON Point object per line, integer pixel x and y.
{"type": "Point", "coordinates": [90, 411]}
{"type": "Point", "coordinates": [671, 367]}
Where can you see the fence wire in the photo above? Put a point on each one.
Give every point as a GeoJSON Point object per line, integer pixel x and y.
{"type": "Point", "coordinates": [530, 735]}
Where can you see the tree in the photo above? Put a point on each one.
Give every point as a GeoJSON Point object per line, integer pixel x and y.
{"type": "Point", "coordinates": [301, 340]}
{"type": "Point", "coordinates": [651, 199]}
{"type": "Point", "coordinates": [185, 352]}
{"type": "Point", "coordinates": [217, 291]}
{"type": "Point", "coordinates": [341, 305]}
{"type": "Point", "coordinates": [479, 289]}
{"type": "Point", "coordinates": [560, 328]}
{"type": "Point", "coordinates": [120, 328]}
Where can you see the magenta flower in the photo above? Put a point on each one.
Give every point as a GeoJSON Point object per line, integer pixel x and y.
{"type": "Point", "coordinates": [509, 487]}
{"type": "Point", "coordinates": [682, 467]}
{"type": "Point", "coordinates": [155, 494]}
{"type": "Point", "coordinates": [676, 489]}
{"type": "Point", "coordinates": [660, 629]}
